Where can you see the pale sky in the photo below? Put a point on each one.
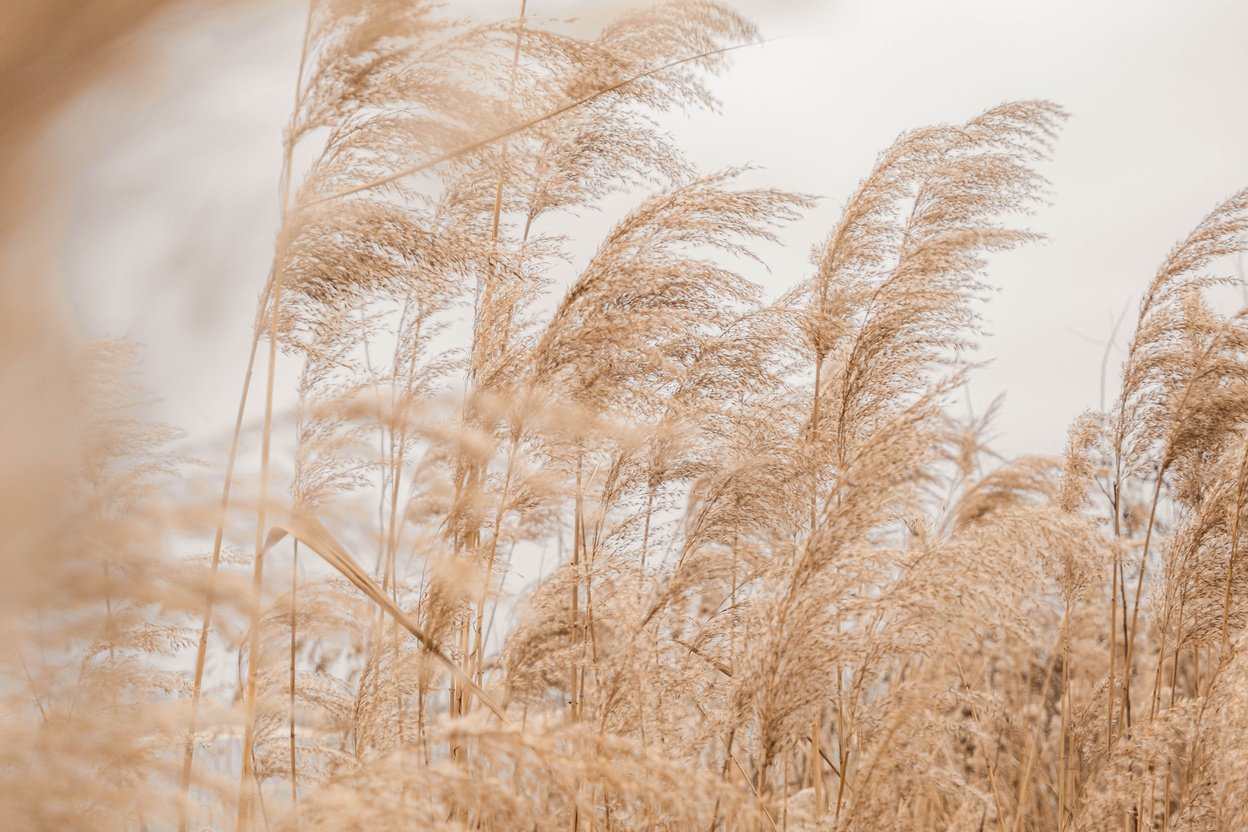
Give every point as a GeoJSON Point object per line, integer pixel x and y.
{"type": "Point", "coordinates": [168, 170]}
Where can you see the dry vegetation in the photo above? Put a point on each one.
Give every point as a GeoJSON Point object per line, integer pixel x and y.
{"type": "Point", "coordinates": [784, 588]}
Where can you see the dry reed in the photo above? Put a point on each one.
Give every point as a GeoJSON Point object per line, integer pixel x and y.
{"type": "Point", "coordinates": [787, 589]}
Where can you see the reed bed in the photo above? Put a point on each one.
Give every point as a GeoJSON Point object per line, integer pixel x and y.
{"type": "Point", "coordinates": [783, 584]}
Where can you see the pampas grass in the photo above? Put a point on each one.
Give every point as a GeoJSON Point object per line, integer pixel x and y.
{"type": "Point", "coordinates": [784, 586]}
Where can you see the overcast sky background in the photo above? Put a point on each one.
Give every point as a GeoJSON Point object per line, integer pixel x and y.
{"type": "Point", "coordinates": [167, 170]}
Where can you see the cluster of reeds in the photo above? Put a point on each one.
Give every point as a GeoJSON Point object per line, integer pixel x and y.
{"type": "Point", "coordinates": [783, 586]}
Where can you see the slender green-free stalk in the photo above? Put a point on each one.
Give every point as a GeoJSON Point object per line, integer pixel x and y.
{"type": "Point", "coordinates": [294, 619]}
{"type": "Point", "coordinates": [201, 654]}
{"type": "Point", "coordinates": [245, 787]}
{"type": "Point", "coordinates": [1241, 488]}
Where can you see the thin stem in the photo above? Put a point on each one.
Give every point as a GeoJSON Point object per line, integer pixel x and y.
{"type": "Point", "coordinates": [294, 624]}
{"type": "Point", "coordinates": [201, 653]}
{"type": "Point", "coordinates": [257, 580]}
{"type": "Point", "coordinates": [1113, 633]}
{"type": "Point", "coordinates": [1241, 484]}
{"type": "Point", "coordinates": [1139, 588]}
